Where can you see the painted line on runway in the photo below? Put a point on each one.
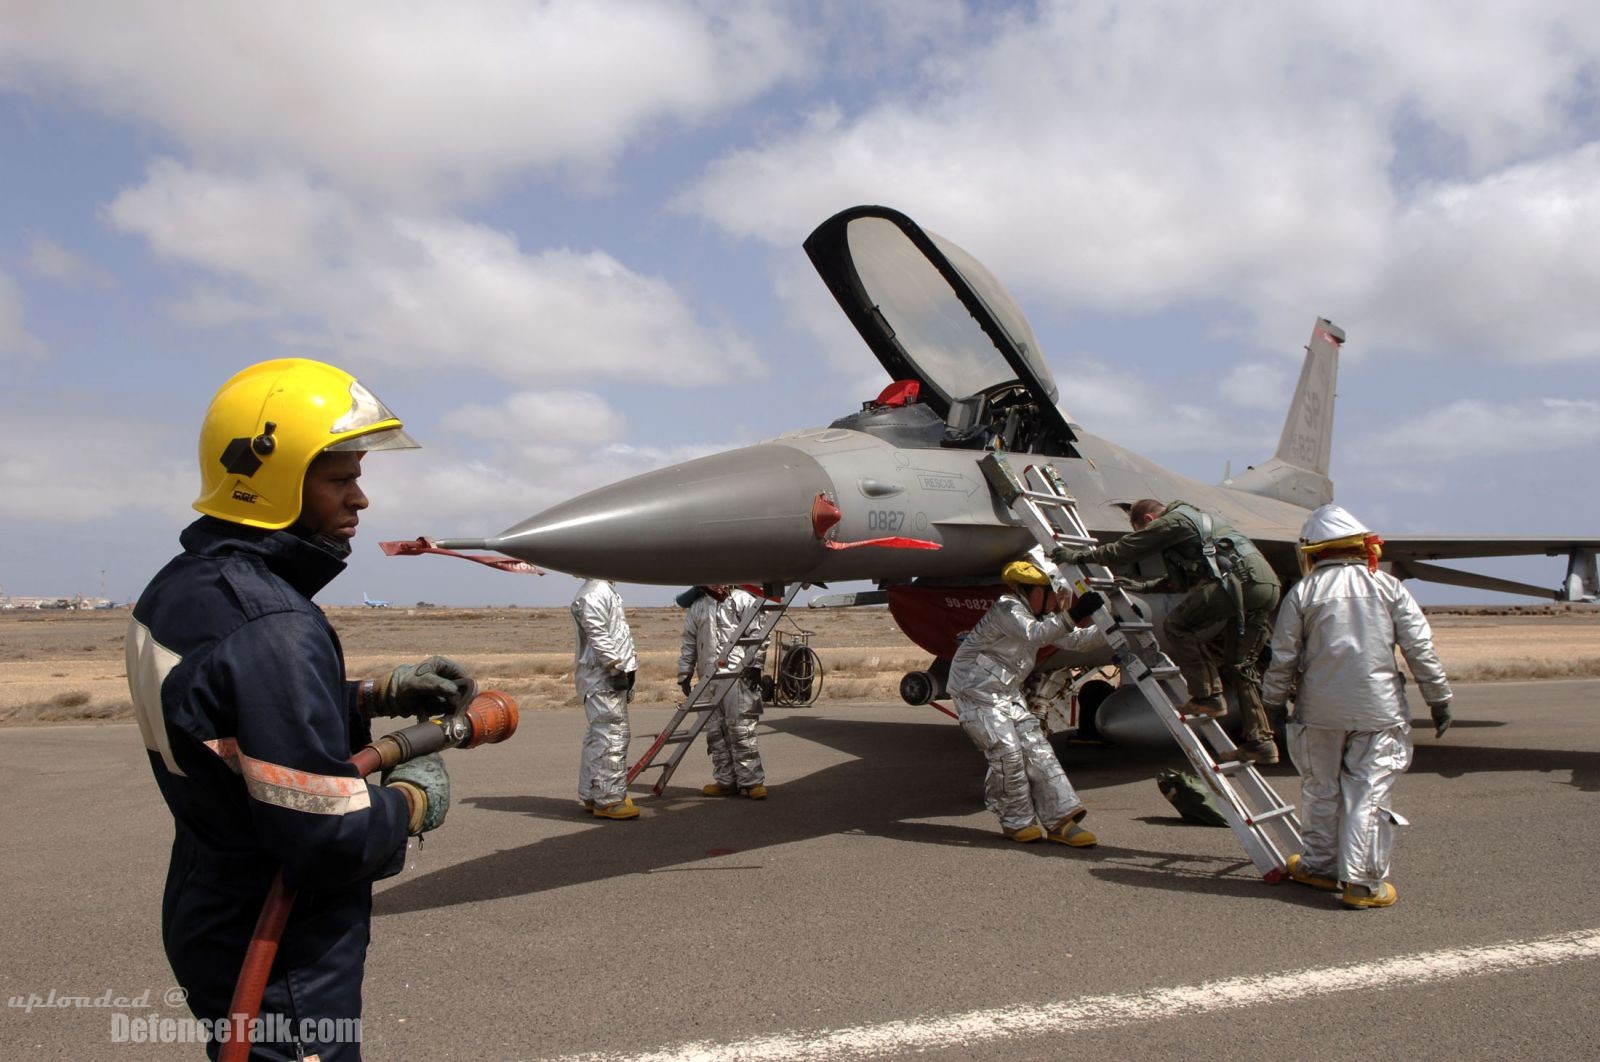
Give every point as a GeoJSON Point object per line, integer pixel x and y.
{"type": "Point", "coordinates": [1106, 1012]}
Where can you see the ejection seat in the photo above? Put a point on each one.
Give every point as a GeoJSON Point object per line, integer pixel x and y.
{"type": "Point", "coordinates": [967, 425]}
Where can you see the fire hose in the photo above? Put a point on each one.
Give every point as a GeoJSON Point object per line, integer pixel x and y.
{"type": "Point", "coordinates": [488, 720]}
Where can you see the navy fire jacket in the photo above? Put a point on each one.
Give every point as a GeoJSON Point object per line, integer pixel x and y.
{"type": "Point", "coordinates": [239, 686]}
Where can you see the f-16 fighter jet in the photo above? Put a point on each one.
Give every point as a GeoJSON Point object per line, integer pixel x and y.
{"type": "Point", "coordinates": [893, 493]}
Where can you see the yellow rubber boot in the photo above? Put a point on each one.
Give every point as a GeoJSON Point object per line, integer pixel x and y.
{"type": "Point", "coordinates": [1299, 873]}
{"type": "Point", "coordinates": [1360, 897]}
{"type": "Point", "coordinates": [622, 809]}
{"type": "Point", "coordinates": [1027, 835]}
{"type": "Point", "coordinates": [1070, 833]}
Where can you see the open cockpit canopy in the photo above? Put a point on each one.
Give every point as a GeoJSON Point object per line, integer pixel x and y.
{"type": "Point", "coordinates": [932, 313]}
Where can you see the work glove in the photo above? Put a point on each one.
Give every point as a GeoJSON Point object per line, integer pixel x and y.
{"type": "Point", "coordinates": [1071, 554]}
{"type": "Point", "coordinates": [427, 790]}
{"type": "Point", "coordinates": [437, 686]}
{"type": "Point", "coordinates": [685, 685]}
{"type": "Point", "coordinates": [1085, 606]}
{"type": "Point", "coordinates": [619, 680]}
{"type": "Point", "coordinates": [752, 678]}
{"type": "Point", "coordinates": [1441, 717]}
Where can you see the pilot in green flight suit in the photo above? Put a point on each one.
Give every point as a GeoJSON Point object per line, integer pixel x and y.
{"type": "Point", "coordinates": [1223, 578]}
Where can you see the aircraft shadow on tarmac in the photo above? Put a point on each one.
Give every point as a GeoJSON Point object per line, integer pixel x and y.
{"type": "Point", "coordinates": [900, 772]}
{"type": "Point", "coordinates": [1454, 761]}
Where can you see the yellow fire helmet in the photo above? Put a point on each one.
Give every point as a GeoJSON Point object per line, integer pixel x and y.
{"type": "Point", "coordinates": [269, 422]}
{"type": "Point", "coordinates": [1023, 573]}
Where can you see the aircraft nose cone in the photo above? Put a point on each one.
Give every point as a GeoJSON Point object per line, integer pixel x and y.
{"type": "Point", "coordinates": [739, 516]}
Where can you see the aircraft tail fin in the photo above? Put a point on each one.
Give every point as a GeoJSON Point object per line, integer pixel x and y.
{"type": "Point", "coordinates": [1298, 472]}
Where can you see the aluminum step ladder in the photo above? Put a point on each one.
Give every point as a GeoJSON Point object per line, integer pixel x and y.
{"type": "Point", "coordinates": [1265, 825]}
{"type": "Point", "coordinates": [755, 626]}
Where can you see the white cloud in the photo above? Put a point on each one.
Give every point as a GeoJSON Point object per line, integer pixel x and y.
{"type": "Point", "coordinates": [370, 286]}
{"type": "Point", "coordinates": [1498, 80]}
{"type": "Point", "coordinates": [113, 465]}
{"type": "Point", "coordinates": [567, 419]}
{"type": "Point", "coordinates": [1506, 265]}
{"type": "Point", "coordinates": [1474, 428]}
{"type": "Point", "coordinates": [809, 308]}
{"type": "Point", "coordinates": [1143, 157]}
{"type": "Point", "coordinates": [1263, 385]}
{"type": "Point", "coordinates": [407, 99]}
{"type": "Point", "coordinates": [49, 259]}
{"type": "Point", "coordinates": [15, 339]}
{"type": "Point", "coordinates": [1123, 407]}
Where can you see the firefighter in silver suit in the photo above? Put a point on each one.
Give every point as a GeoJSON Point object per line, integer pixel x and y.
{"type": "Point", "coordinates": [603, 672]}
{"type": "Point", "coordinates": [1350, 737]}
{"type": "Point", "coordinates": [1025, 785]}
{"type": "Point", "coordinates": [710, 622]}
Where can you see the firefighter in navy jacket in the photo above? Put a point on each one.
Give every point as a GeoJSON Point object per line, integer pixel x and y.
{"type": "Point", "coordinates": [238, 682]}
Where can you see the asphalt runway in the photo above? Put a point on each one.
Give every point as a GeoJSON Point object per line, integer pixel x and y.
{"type": "Point", "coordinates": [870, 908]}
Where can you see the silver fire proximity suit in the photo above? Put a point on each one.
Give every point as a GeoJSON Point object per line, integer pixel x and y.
{"type": "Point", "coordinates": [1350, 735]}
{"type": "Point", "coordinates": [1025, 782]}
{"type": "Point", "coordinates": [603, 673]}
{"type": "Point", "coordinates": [731, 732]}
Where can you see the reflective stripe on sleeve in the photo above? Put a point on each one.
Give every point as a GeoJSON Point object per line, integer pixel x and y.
{"type": "Point", "coordinates": [317, 794]}
{"type": "Point", "coordinates": [148, 664]}
{"type": "Point", "coordinates": [227, 749]}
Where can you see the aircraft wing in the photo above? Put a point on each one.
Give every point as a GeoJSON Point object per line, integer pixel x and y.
{"type": "Point", "coordinates": [1449, 547]}
{"type": "Point", "coordinates": [1408, 557]}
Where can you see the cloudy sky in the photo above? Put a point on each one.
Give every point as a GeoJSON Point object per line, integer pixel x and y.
{"type": "Point", "coordinates": [562, 240]}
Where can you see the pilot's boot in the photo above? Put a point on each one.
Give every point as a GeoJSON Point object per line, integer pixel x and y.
{"type": "Point", "coordinates": [756, 792]}
{"type": "Point", "coordinates": [1299, 873]}
{"type": "Point", "coordinates": [1360, 896]}
{"type": "Point", "coordinates": [1260, 753]}
{"type": "Point", "coordinates": [622, 809]}
{"type": "Point", "coordinates": [713, 789]}
{"type": "Point", "coordinates": [1026, 835]}
{"type": "Point", "coordinates": [1212, 706]}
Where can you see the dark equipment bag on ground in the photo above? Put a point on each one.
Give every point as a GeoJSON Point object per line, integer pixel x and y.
{"type": "Point", "coordinates": [1190, 796]}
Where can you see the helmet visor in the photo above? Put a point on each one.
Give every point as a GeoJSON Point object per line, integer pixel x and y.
{"type": "Point", "coordinates": [387, 439]}
{"type": "Point", "coordinates": [367, 411]}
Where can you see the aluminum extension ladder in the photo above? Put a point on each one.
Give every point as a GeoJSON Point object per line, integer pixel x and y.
{"type": "Point", "coordinates": [1264, 824]}
{"type": "Point", "coordinates": [755, 625]}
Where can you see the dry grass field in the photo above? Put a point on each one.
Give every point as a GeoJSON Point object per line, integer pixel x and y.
{"type": "Point", "coordinates": [66, 667]}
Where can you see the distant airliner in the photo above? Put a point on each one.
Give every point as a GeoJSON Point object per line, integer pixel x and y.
{"type": "Point", "coordinates": [372, 602]}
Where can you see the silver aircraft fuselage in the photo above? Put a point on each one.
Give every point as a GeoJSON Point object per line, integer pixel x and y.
{"type": "Point", "coordinates": [747, 515]}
